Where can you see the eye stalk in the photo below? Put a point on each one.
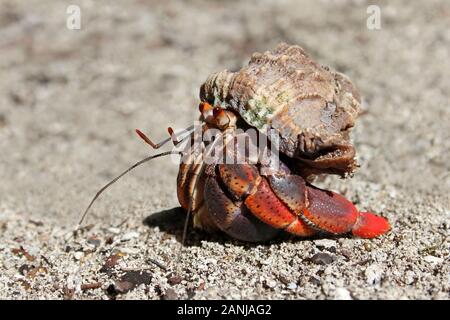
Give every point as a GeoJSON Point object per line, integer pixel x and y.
{"type": "Point", "coordinates": [218, 112]}
{"type": "Point", "coordinates": [217, 116]}
{"type": "Point", "coordinates": [204, 107]}
{"type": "Point", "coordinates": [221, 118]}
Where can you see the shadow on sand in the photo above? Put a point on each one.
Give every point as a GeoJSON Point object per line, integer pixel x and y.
{"type": "Point", "coordinates": [172, 222]}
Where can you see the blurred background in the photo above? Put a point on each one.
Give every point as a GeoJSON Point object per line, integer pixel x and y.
{"type": "Point", "coordinates": [70, 99]}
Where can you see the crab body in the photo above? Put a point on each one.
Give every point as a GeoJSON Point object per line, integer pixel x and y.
{"type": "Point", "coordinates": [311, 110]}
{"type": "Point", "coordinates": [241, 201]}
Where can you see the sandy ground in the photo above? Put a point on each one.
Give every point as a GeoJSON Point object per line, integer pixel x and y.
{"type": "Point", "coordinates": [70, 99]}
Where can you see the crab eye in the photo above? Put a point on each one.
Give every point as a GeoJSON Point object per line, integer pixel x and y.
{"type": "Point", "coordinates": [217, 112]}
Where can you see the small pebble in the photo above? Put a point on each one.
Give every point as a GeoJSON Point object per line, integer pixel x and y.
{"type": "Point", "coordinates": [433, 259]}
{"type": "Point", "coordinates": [109, 240]}
{"type": "Point", "coordinates": [325, 243]}
{"type": "Point", "coordinates": [373, 274]}
{"type": "Point", "coordinates": [190, 295]}
{"type": "Point", "coordinates": [291, 286]}
{"type": "Point", "coordinates": [409, 277]}
{"type": "Point", "coordinates": [210, 261]}
{"type": "Point", "coordinates": [170, 295]}
{"type": "Point", "coordinates": [173, 280]}
{"type": "Point", "coordinates": [129, 235]}
{"type": "Point", "coordinates": [284, 279]}
{"type": "Point", "coordinates": [202, 267]}
{"type": "Point", "coordinates": [78, 255]}
{"type": "Point", "coordinates": [114, 230]}
{"type": "Point", "coordinates": [212, 278]}
{"type": "Point", "coordinates": [342, 294]}
{"type": "Point", "coordinates": [23, 269]}
{"type": "Point", "coordinates": [121, 287]}
{"type": "Point", "coordinates": [130, 251]}
{"type": "Point", "coordinates": [346, 253]}
{"type": "Point", "coordinates": [94, 241]}
{"type": "Point", "coordinates": [322, 258]}
{"type": "Point", "coordinates": [235, 296]}
{"type": "Point", "coordinates": [131, 280]}
{"type": "Point", "coordinates": [314, 280]}
{"type": "Point", "coordinates": [271, 284]}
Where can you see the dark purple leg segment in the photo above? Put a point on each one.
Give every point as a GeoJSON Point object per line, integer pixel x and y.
{"type": "Point", "coordinates": [330, 211]}
{"type": "Point", "coordinates": [234, 218]}
{"type": "Point", "coordinates": [291, 190]}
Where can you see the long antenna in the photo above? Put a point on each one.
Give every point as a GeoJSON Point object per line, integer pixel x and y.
{"type": "Point", "coordinates": [99, 192]}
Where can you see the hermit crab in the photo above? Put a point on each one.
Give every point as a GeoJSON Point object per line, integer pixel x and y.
{"type": "Point", "coordinates": [304, 112]}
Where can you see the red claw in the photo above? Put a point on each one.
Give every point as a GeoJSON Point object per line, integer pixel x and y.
{"type": "Point", "coordinates": [370, 225]}
{"type": "Point", "coordinates": [331, 212]}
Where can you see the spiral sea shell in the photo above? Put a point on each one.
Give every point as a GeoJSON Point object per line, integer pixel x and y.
{"type": "Point", "coordinates": [311, 107]}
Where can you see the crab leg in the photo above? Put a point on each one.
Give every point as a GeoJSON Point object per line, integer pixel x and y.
{"type": "Point", "coordinates": [333, 213]}
{"type": "Point", "coordinates": [233, 218]}
{"type": "Point", "coordinates": [244, 207]}
{"type": "Point", "coordinates": [282, 201]}
{"type": "Point", "coordinates": [369, 225]}
{"type": "Point", "coordinates": [325, 210]}
{"type": "Point", "coordinates": [187, 174]}
{"type": "Point", "coordinates": [329, 211]}
{"type": "Point", "coordinates": [265, 205]}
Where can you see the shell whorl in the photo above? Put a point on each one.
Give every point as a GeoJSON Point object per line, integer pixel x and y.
{"type": "Point", "coordinates": [216, 87]}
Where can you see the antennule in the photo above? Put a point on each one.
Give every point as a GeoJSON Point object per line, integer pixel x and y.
{"type": "Point", "coordinates": [147, 139]}
{"type": "Point", "coordinates": [173, 137]}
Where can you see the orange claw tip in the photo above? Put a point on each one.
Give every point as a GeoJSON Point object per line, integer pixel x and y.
{"type": "Point", "coordinates": [370, 225]}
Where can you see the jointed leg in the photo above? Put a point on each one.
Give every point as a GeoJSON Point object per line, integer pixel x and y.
{"type": "Point", "coordinates": [283, 202]}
